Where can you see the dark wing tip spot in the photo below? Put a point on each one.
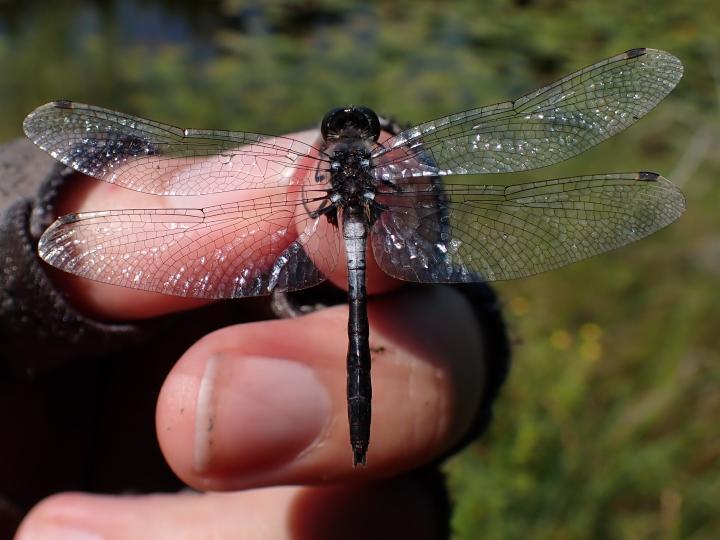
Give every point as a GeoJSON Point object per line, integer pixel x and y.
{"type": "Point", "coordinates": [634, 53]}
{"type": "Point", "coordinates": [647, 176]}
{"type": "Point", "coordinates": [63, 104]}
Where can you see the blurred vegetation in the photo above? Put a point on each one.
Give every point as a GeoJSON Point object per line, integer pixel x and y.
{"type": "Point", "coordinates": [608, 427]}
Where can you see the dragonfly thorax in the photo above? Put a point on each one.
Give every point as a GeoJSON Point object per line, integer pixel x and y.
{"type": "Point", "coordinates": [350, 175]}
{"type": "Point", "coordinates": [349, 134]}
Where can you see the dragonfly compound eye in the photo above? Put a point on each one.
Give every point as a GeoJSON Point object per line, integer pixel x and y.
{"type": "Point", "coordinates": [351, 121]}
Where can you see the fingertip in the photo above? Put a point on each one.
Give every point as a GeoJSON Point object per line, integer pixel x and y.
{"type": "Point", "coordinates": [105, 302]}
{"type": "Point", "coordinates": [64, 515]}
{"type": "Point", "coordinates": [248, 399]}
{"type": "Point", "coordinates": [241, 415]}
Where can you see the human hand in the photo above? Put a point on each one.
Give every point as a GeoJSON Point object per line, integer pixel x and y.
{"type": "Point", "coordinates": [263, 405]}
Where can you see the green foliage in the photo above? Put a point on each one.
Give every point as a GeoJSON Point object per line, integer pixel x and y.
{"type": "Point", "coordinates": [608, 425]}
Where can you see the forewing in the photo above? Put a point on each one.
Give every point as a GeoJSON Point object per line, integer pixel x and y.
{"type": "Point", "coordinates": [544, 127]}
{"type": "Point", "coordinates": [475, 233]}
{"type": "Point", "coordinates": [248, 248]}
{"type": "Point", "coordinates": [151, 157]}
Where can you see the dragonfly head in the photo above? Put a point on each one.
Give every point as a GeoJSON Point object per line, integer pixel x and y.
{"type": "Point", "coordinates": [355, 122]}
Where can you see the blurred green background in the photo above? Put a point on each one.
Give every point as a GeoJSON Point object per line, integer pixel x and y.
{"type": "Point", "coordinates": [608, 427]}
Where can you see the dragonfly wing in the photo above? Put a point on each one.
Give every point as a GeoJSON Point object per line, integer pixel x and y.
{"type": "Point", "coordinates": [471, 233]}
{"type": "Point", "coordinates": [248, 248]}
{"type": "Point", "coordinates": [541, 128]}
{"type": "Point", "coordinates": [151, 157]}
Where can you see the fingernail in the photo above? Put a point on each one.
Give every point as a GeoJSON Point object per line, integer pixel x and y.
{"type": "Point", "coordinates": [256, 412]}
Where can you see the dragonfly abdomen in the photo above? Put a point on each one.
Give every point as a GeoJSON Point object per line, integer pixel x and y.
{"type": "Point", "coordinates": [359, 391]}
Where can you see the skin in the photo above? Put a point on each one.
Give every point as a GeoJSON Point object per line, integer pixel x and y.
{"type": "Point", "coordinates": [263, 405]}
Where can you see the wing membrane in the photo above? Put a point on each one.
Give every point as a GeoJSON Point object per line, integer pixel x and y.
{"type": "Point", "coordinates": [471, 233]}
{"type": "Point", "coordinates": [543, 127]}
{"type": "Point", "coordinates": [151, 157]}
{"type": "Point", "coordinates": [248, 248]}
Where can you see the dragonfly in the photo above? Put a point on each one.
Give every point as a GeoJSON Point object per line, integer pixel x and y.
{"type": "Point", "coordinates": [302, 208]}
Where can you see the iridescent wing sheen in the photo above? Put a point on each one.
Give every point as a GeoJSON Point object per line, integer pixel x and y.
{"type": "Point", "coordinates": [247, 248]}
{"type": "Point", "coordinates": [543, 127]}
{"type": "Point", "coordinates": [151, 157]}
{"type": "Point", "coordinates": [463, 233]}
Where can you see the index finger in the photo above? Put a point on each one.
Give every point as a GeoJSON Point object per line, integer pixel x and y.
{"type": "Point", "coordinates": [263, 239]}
